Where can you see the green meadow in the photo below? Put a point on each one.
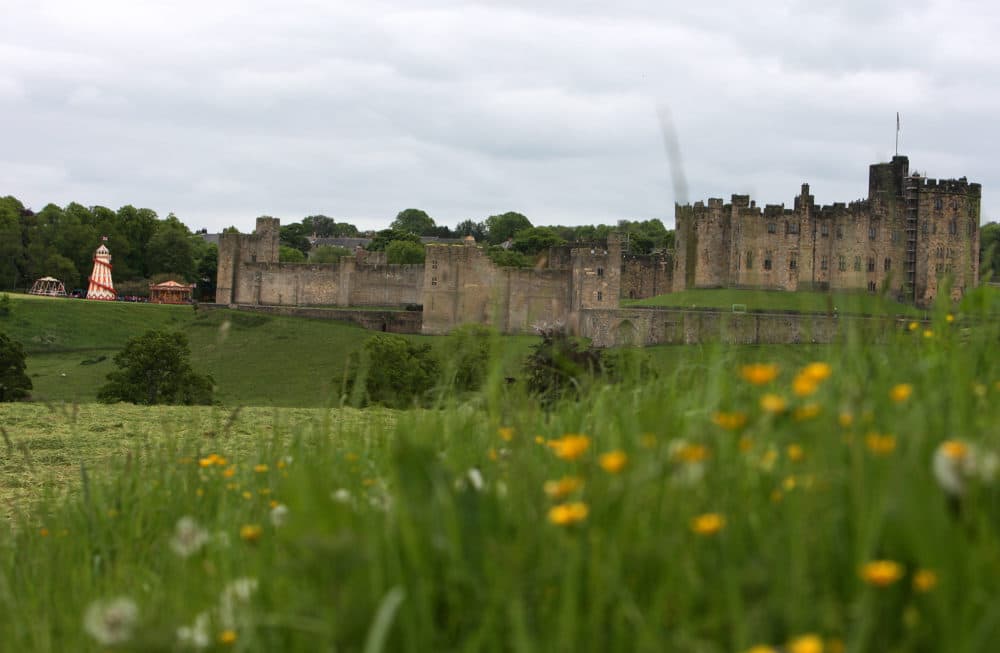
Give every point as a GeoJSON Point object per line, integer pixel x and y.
{"type": "Point", "coordinates": [802, 499]}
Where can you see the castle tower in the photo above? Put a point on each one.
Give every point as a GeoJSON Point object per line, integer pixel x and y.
{"type": "Point", "coordinates": [101, 287]}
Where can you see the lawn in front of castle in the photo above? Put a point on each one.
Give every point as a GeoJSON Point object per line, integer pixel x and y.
{"type": "Point", "coordinates": [809, 498]}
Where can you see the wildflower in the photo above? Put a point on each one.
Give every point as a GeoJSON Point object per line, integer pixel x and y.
{"type": "Point", "coordinates": [795, 452]}
{"type": "Point", "coordinates": [845, 419]}
{"type": "Point", "coordinates": [188, 537]}
{"type": "Point", "coordinates": [208, 461]}
{"type": "Point", "coordinates": [924, 580]}
{"type": "Point", "coordinates": [506, 433]}
{"type": "Point", "coordinates": [928, 333]}
{"type": "Point", "coordinates": [759, 373]}
{"type": "Point", "coordinates": [979, 390]}
{"type": "Point", "coordinates": [44, 532]}
{"type": "Point", "coordinates": [767, 459]}
{"type": "Point", "coordinates": [806, 644]}
{"type": "Point", "coordinates": [234, 596]}
{"type": "Point", "coordinates": [227, 637]}
{"type": "Point", "coordinates": [949, 318]}
{"type": "Point", "coordinates": [566, 514]}
{"type": "Point", "coordinates": [688, 453]}
{"type": "Point", "coordinates": [539, 439]}
{"type": "Point", "coordinates": [773, 403]}
{"type": "Point", "coordinates": [901, 392]}
{"type": "Point", "coordinates": [342, 495]}
{"type": "Point", "coordinates": [571, 446]}
{"type": "Point", "coordinates": [200, 492]}
{"type": "Point", "coordinates": [250, 532]}
{"type": "Point", "coordinates": [247, 494]}
{"type": "Point", "coordinates": [111, 622]}
{"type": "Point", "coordinates": [803, 385]}
{"type": "Point", "coordinates": [955, 462]}
{"type": "Point", "coordinates": [707, 524]}
{"type": "Point", "coordinates": [789, 483]}
{"type": "Point", "coordinates": [279, 514]}
{"type": "Point", "coordinates": [613, 461]}
{"type": "Point", "coordinates": [881, 573]}
{"type": "Point", "coordinates": [492, 454]}
{"type": "Point", "coordinates": [806, 411]}
{"type": "Point", "coordinates": [818, 371]}
{"type": "Point", "coordinates": [732, 421]}
{"type": "Point", "coordinates": [913, 326]}
{"type": "Point", "coordinates": [475, 479]}
{"type": "Point", "coordinates": [761, 648]}
{"type": "Point", "coordinates": [260, 469]}
{"type": "Point", "coordinates": [880, 445]}
{"type": "Point", "coordinates": [229, 472]}
{"type": "Point", "coordinates": [195, 635]}
{"type": "Point", "coordinates": [562, 488]}
{"type": "Point", "coordinates": [745, 444]}
{"type": "Point", "coordinates": [351, 457]}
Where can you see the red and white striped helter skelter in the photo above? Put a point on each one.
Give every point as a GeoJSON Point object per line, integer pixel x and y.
{"type": "Point", "coordinates": [101, 286]}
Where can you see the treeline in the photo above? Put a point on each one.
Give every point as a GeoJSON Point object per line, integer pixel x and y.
{"type": "Point", "coordinates": [511, 237]}
{"type": "Point", "coordinates": [60, 242]}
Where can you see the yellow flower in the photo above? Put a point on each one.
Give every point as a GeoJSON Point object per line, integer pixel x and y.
{"type": "Point", "coordinates": [707, 524]}
{"type": "Point", "coordinates": [566, 514]}
{"type": "Point", "coordinates": [44, 532]}
{"type": "Point", "coordinates": [789, 483]}
{"type": "Point", "coordinates": [260, 469]}
{"type": "Point", "coordinates": [761, 648]}
{"type": "Point", "coordinates": [913, 326]}
{"type": "Point", "coordinates": [229, 472]}
{"type": "Point", "coordinates": [613, 461]}
{"type": "Point", "coordinates": [928, 333]}
{"type": "Point", "coordinates": [924, 580]}
{"type": "Point", "coordinates": [273, 503]}
{"type": "Point", "coordinates": [492, 453]}
{"type": "Point", "coordinates": [795, 452]}
{"type": "Point", "coordinates": [901, 392]}
{"type": "Point", "coordinates": [570, 446]}
{"type": "Point", "coordinates": [281, 464]}
{"type": "Point", "coordinates": [773, 403]}
{"type": "Point", "coordinates": [539, 439]}
{"type": "Point", "coordinates": [759, 373]}
{"type": "Point", "coordinates": [806, 411]}
{"type": "Point", "coordinates": [803, 385]}
{"type": "Point", "coordinates": [949, 318]}
{"type": "Point", "coordinates": [227, 637]}
{"type": "Point", "coordinates": [208, 461]}
{"type": "Point", "coordinates": [250, 532]}
{"type": "Point", "coordinates": [880, 445]}
{"type": "Point", "coordinates": [845, 419]}
{"type": "Point", "coordinates": [955, 449]}
{"type": "Point", "coordinates": [506, 433]}
{"type": "Point", "coordinates": [733, 421]}
{"type": "Point", "coordinates": [692, 453]}
{"type": "Point", "coordinates": [818, 371]}
{"type": "Point", "coordinates": [881, 573]}
{"type": "Point", "coordinates": [745, 444]}
{"type": "Point", "coordinates": [200, 492]}
{"type": "Point", "coordinates": [562, 488]}
{"type": "Point", "coordinates": [247, 494]}
{"type": "Point", "coordinates": [806, 644]}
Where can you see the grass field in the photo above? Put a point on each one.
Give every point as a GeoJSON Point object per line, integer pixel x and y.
{"type": "Point", "coordinates": [776, 300]}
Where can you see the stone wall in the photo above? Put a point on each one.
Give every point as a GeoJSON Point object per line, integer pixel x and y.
{"type": "Point", "coordinates": [647, 276]}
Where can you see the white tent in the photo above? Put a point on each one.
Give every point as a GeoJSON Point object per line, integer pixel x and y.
{"type": "Point", "coordinates": [48, 286]}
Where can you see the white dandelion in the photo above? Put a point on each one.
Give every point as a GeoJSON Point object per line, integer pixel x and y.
{"type": "Point", "coordinates": [955, 462]}
{"type": "Point", "coordinates": [188, 537]}
{"type": "Point", "coordinates": [198, 635]}
{"type": "Point", "coordinates": [342, 495]}
{"type": "Point", "coordinates": [475, 479]}
{"type": "Point", "coordinates": [236, 595]}
{"type": "Point", "coordinates": [111, 621]}
{"type": "Point", "coordinates": [279, 514]}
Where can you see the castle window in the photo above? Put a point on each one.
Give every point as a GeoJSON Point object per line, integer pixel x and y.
{"type": "Point", "coordinates": [951, 253]}
{"type": "Point", "coordinates": [924, 229]}
{"type": "Point", "coordinates": [937, 203]}
{"type": "Point", "coordinates": [749, 260]}
{"type": "Point", "coordinates": [824, 229]}
{"type": "Point", "coordinates": [434, 264]}
{"type": "Point", "coordinates": [872, 232]}
{"type": "Point", "coordinates": [857, 264]}
{"type": "Point", "coordinates": [894, 236]}
{"type": "Point", "coordinates": [940, 252]}
{"type": "Point", "coordinates": [792, 262]}
{"type": "Point", "coordinates": [434, 281]}
{"type": "Point", "coordinates": [840, 232]}
{"type": "Point", "coordinates": [791, 227]}
{"type": "Point", "coordinates": [823, 263]}
{"type": "Point", "coordinates": [953, 227]}
{"type": "Point", "coordinates": [772, 228]}
{"type": "Point", "coordinates": [871, 264]}
{"type": "Point", "coordinates": [887, 264]}
{"type": "Point", "coordinates": [600, 272]}
{"type": "Point", "coordinates": [767, 260]}
{"type": "Point", "coordinates": [842, 264]}
{"type": "Point", "coordinates": [954, 204]}
{"type": "Point", "coordinates": [933, 227]}
{"type": "Point", "coordinates": [871, 286]}
{"type": "Point", "coordinates": [600, 296]}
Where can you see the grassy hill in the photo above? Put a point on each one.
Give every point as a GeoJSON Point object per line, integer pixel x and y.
{"type": "Point", "coordinates": [777, 300]}
{"type": "Point", "coordinates": [258, 360]}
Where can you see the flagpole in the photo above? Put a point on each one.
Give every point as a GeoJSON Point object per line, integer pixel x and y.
{"type": "Point", "coordinates": [897, 133]}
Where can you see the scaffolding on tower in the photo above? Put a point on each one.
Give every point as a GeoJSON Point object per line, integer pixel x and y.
{"type": "Point", "coordinates": [101, 287]}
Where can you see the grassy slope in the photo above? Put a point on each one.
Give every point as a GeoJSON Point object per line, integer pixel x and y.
{"type": "Point", "coordinates": [774, 300]}
{"type": "Point", "coordinates": [259, 360]}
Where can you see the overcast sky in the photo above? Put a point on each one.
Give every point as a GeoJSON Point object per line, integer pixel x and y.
{"type": "Point", "coordinates": [223, 110]}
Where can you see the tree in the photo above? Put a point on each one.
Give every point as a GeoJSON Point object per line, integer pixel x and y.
{"type": "Point", "coordinates": [296, 236]}
{"type": "Point", "coordinates": [386, 236]}
{"type": "Point", "coordinates": [413, 221]}
{"type": "Point", "coordinates": [404, 252]}
{"type": "Point", "coordinates": [290, 255]}
{"type": "Point", "coordinates": [466, 355]}
{"type": "Point", "coordinates": [11, 243]}
{"type": "Point", "coordinates": [536, 239]}
{"type": "Point", "coordinates": [326, 254]}
{"type": "Point", "coordinates": [501, 227]}
{"type": "Point", "coordinates": [326, 227]}
{"type": "Point", "coordinates": [560, 367]}
{"type": "Point", "coordinates": [470, 228]}
{"type": "Point", "coordinates": [171, 250]}
{"type": "Point", "coordinates": [392, 371]}
{"type": "Point", "coordinates": [989, 248]}
{"type": "Point", "coordinates": [207, 265]}
{"type": "Point", "coordinates": [14, 383]}
{"type": "Point", "coordinates": [153, 369]}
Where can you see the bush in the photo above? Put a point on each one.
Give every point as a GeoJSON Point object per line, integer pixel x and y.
{"type": "Point", "coordinates": [14, 383]}
{"type": "Point", "coordinates": [153, 369]}
{"type": "Point", "coordinates": [6, 306]}
{"type": "Point", "coordinates": [392, 371]}
{"type": "Point", "coordinates": [404, 252]}
{"type": "Point", "coordinates": [560, 367]}
{"type": "Point", "coordinates": [467, 353]}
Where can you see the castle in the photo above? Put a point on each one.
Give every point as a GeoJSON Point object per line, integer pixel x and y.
{"type": "Point", "coordinates": [909, 234]}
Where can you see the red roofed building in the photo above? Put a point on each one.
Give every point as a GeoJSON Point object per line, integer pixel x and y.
{"type": "Point", "coordinates": [170, 292]}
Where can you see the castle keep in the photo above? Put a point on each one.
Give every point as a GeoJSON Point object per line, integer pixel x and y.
{"type": "Point", "coordinates": [905, 238]}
